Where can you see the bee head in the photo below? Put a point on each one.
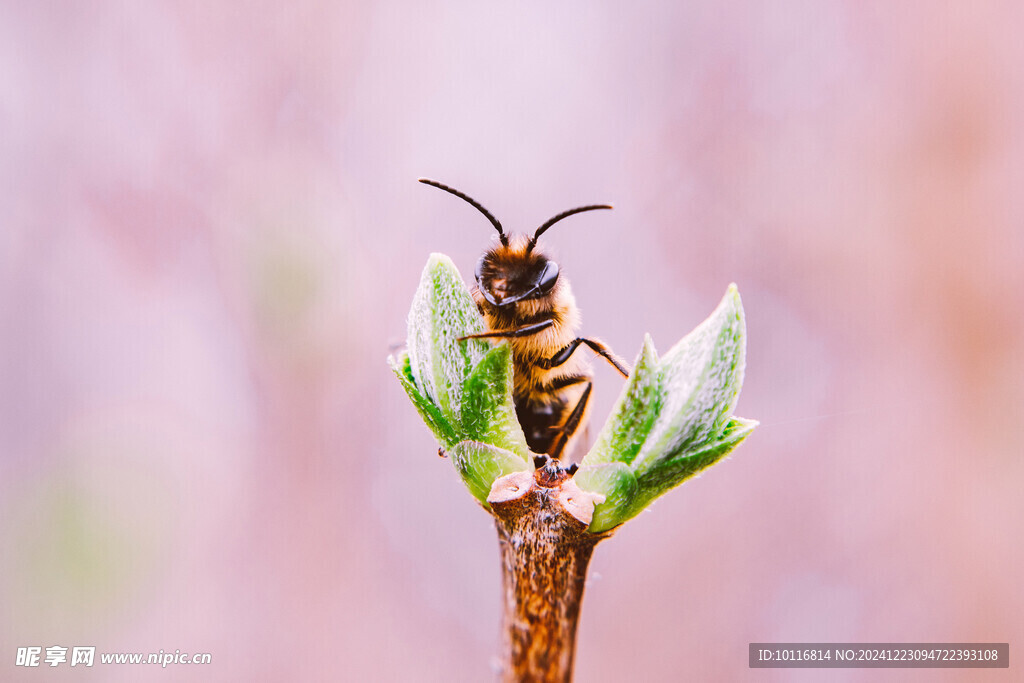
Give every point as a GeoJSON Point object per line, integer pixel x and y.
{"type": "Point", "coordinates": [512, 272]}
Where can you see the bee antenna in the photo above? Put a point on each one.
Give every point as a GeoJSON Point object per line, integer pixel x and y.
{"type": "Point", "coordinates": [477, 205]}
{"type": "Point", "coordinates": [565, 214]}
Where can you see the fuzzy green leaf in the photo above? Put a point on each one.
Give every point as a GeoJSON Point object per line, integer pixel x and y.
{"type": "Point", "coordinates": [462, 389]}
{"type": "Point", "coordinates": [700, 383]}
{"type": "Point", "coordinates": [442, 311]}
{"type": "Point", "coordinates": [488, 412]}
{"type": "Point", "coordinates": [480, 464]}
{"type": "Point", "coordinates": [673, 417]}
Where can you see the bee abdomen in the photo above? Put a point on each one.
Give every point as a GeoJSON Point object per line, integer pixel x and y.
{"type": "Point", "coordinates": [542, 409]}
{"type": "Point", "coordinates": [540, 423]}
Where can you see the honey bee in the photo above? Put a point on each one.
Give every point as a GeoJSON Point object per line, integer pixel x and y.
{"type": "Point", "coordinates": [524, 299]}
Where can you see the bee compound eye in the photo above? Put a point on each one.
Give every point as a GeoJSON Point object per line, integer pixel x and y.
{"type": "Point", "coordinates": [548, 276]}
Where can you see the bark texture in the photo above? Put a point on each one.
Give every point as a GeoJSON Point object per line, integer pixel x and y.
{"type": "Point", "coordinates": [542, 521]}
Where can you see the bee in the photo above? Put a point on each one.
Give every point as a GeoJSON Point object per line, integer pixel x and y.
{"type": "Point", "coordinates": [525, 299]}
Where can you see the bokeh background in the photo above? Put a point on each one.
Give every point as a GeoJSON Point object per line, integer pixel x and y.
{"type": "Point", "coordinates": [210, 233]}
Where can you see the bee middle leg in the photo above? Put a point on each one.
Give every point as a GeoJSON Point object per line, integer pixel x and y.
{"type": "Point", "coordinates": [596, 346]}
{"type": "Point", "coordinates": [571, 424]}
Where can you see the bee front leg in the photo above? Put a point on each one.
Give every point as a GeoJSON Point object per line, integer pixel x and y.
{"type": "Point", "coordinates": [524, 331]}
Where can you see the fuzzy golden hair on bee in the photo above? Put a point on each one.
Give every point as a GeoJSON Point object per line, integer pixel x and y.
{"type": "Point", "coordinates": [525, 300]}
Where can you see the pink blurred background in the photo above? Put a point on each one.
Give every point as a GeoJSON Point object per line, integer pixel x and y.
{"type": "Point", "coordinates": [210, 233]}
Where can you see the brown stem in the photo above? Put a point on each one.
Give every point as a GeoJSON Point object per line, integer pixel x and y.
{"type": "Point", "coordinates": [545, 549]}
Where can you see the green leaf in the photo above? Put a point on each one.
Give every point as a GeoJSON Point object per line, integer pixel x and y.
{"type": "Point", "coordinates": [480, 464]}
{"type": "Point", "coordinates": [461, 389]}
{"type": "Point", "coordinates": [633, 415]}
{"type": "Point", "coordinates": [488, 412]}
{"type": "Point", "coordinates": [672, 471]}
{"type": "Point", "coordinates": [430, 413]}
{"type": "Point", "coordinates": [672, 419]}
{"type": "Point", "coordinates": [700, 380]}
{"type": "Point", "coordinates": [442, 311]}
{"type": "Point", "coordinates": [615, 481]}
